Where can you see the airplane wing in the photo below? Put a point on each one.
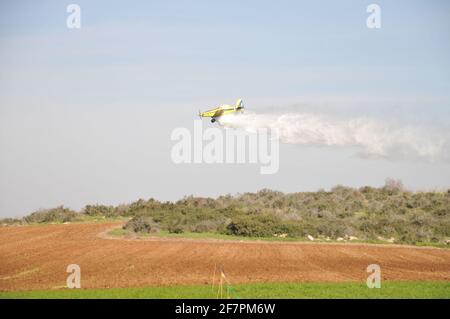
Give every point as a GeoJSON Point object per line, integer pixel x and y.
{"type": "Point", "coordinates": [212, 113]}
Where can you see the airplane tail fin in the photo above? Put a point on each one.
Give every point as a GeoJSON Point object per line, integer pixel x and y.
{"type": "Point", "coordinates": [239, 104]}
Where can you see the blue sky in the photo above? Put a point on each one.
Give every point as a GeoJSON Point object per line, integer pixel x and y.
{"type": "Point", "coordinates": [86, 115]}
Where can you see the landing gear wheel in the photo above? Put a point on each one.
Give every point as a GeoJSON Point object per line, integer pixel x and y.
{"type": "Point", "coordinates": [213, 120]}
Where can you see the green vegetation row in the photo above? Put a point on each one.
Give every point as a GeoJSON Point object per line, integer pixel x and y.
{"type": "Point", "coordinates": [261, 290]}
{"type": "Point", "coordinates": [366, 214]}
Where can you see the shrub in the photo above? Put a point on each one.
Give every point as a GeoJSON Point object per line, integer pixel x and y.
{"type": "Point", "coordinates": [10, 221]}
{"type": "Point", "coordinates": [253, 226]}
{"type": "Point", "coordinates": [141, 224]}
{"type": "Point", "coordinates": [176, 229]}
{"type": "Point", "coordinates": [99, 210]}
{"type": "Point", "coordinates": [205, 226]}
{"type": "Point", "coordinates": [58, 214]}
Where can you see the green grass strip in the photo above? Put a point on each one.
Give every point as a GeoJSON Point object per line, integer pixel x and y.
{"type": "Point", "coordinates": [390, 289]}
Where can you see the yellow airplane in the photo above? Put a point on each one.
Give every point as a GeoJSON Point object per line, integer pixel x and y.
{"type": "Point", "coordinates": [222, 110]}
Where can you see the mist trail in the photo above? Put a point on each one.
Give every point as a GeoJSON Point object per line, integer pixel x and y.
{"type": "Point", "coordinates": [373, 137]}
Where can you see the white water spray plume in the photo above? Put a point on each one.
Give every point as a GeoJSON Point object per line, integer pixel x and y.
{"type": "Point", "coordinates": [373, 137]}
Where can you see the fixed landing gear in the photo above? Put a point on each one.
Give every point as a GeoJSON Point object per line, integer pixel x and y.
{"type": "Point", "coordinates": [213, 120]}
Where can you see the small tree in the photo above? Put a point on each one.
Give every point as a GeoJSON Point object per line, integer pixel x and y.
{"type": "Point", "coordinates": [393, 186]}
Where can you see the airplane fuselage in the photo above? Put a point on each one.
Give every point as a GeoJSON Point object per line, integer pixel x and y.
{"type": "Point", "coordinates": [223, 110]}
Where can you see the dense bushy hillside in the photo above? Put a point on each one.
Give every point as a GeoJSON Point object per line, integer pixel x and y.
{"type": "Point", "coordinates": [366, 213]}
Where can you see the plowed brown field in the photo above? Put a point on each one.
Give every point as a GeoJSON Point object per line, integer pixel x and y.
{"type": "Point", "coordinates": [36, 257]}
